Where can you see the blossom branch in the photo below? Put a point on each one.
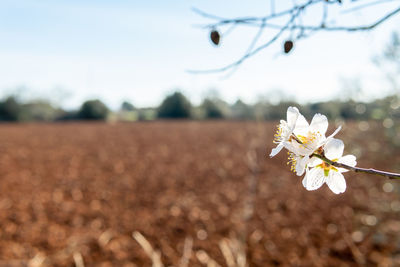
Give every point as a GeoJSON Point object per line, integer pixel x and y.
{"type": "Point", "coordinates": [305, 141]}
{"type": "Point", "coordinates": [389, 175]}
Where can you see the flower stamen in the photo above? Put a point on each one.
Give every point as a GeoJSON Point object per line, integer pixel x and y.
{"type": "Point", "coordinates": [292, 161]}
{"type": "Point", "coordinates": [327, 167]}
{"type": "Point", "coordinates": [278, 135]}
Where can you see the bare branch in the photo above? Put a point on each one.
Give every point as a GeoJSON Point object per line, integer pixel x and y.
{"type": "Point", "coordinates": [379, 2]}
{"type": "Point", "coordinates": [249, 54]}
{"type": "Point", "coordinates": [389, 175]}
{"type": "Point", "coordinates": [356, 28]}
{"type": "Point", "coordinates": [294, 22]}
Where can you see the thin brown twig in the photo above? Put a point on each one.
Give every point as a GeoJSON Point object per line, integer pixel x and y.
{"type": "Point", "coordinates": [355, 28]}
{"type": "Point", "coordinates": [390, 175]}
{"type": "Point", "coordinates": [262, 21]}
{"type": "Point", "coordinates": [379, 2]}
{"type": "Point", "coordinates": [250, 20]}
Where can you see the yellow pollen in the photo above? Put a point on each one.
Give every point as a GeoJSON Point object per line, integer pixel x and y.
{"type": "Point", "coordinates": [278, 135]}
{"type": "Point", "coordinates": [292, 161]}
{"type": "Point", "coordinates": [310, 138]}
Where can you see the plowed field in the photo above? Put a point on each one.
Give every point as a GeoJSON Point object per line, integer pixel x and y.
{"type": "Point", "coordinates": [197, 193]}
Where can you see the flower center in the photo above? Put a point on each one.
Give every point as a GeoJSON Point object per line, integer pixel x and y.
{"type": "Point", "coordinates": [310, 138]}
{"type": "Point", "coordinates": [327, 167]}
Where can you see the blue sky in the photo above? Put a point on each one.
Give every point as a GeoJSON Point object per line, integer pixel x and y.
{"type": "Point", "coordinates": [70, 50]}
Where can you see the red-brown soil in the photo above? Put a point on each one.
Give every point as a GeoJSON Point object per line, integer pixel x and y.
{"type": "Point", "coordinates": [74, 193]}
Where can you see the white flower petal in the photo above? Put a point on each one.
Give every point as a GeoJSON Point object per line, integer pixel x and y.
{"type": "Point", "coordinates": [304, 182]}
{"type": "Point", "coordinates": [336, 182]}
{"type": "Point", "coordinates": [292, 114]}
{"type": "Point", "coordinates": [290, 146]}
{"type": "Point", "coordinates": [319, 124]}
{"type": "Point", "coordinates": [276, 150]}
{"type": "Point", "coordinates": [334, 149]}
{"type": "Point", "coordinates": [349, 160]}
{"type": "Point", "coordinates": [342, 169]}
{"type": "Point", "coordinates": [301, 164]}
{"type": "Point", "coordinates": [314, 179]}
{"type": "Point", "coordinates": [297, 148]}
{"type": "Point", "coordinates": [334, 133]}
{"type": "Point", "coordinates": [321, 141]}
{"type": "Point", "coordinates": [314, 161]}
{"type": "Point", "coordinates": [301, 126]}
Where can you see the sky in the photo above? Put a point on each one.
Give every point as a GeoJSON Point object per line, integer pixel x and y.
{"type": "Point", "coordinates": [69, 51]}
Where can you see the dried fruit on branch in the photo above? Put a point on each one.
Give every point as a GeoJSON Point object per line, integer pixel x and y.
{"type": "Point", "coordinates": [288, 46]}
{"type": "Point", "coordinates": [215, 37]}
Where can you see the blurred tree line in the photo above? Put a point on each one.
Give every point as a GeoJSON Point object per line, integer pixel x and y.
{"type": "Point", "coordinates": [12, 109]}
{"type": "Point", "coordinates": [177, 106]}
{"type": "Point", "coordinates": [214, 108]}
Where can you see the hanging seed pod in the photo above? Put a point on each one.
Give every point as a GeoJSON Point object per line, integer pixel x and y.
{"type": "Point", "coordinates": [214, 36]}
{"type": "Point", "coordinates": [288, 46]}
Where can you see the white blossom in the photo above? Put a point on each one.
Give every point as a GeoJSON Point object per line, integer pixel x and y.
{"type": "Point", "coordinates": [321, 172]}
{"type": "Point", "coordinates": [310, 137]}
{"type": "Point", "coordinates": [307, 139]}
{"type": "Point", "coordinates": [285, 130]}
